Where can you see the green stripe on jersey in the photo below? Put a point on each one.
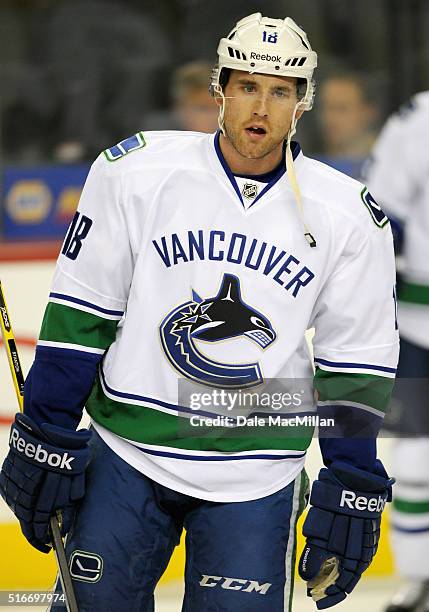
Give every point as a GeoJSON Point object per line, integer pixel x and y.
{"type": "Point", "coordinates": [72, 326]}
{"type": "Point", "coordinates": [411, 507]}
{"type": "Point", "coordinates": [413, 293]}
{"type": "Point", "coordinates": [367, 389]}
{"type": "Point", "coordinates": [150, 426]}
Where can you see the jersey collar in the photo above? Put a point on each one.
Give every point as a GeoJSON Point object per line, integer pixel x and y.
{"type": "Point", "coordinates": [296, 149]}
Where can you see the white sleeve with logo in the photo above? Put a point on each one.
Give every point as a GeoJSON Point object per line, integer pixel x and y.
{"type": "Point", "coordinates": [96, 262]}
{"type": "Point", "coordinates": [356, 345]}
{"type": "Point", "coordinates": [354, 316]}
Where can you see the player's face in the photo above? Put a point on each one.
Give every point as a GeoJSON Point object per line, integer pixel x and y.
{"type": "Point", "coordinates": [258, 112]}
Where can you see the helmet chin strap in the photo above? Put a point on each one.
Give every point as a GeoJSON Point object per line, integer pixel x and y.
{"type": "Point", "coordinates": [290, 169]}
{"type": "Point", "coordinates": [220, 119]}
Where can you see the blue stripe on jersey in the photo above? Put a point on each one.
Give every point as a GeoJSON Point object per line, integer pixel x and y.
{"type": "Point", "coordinates": [397, 227]}
{"type": "Point", "coordinates": [71, 351]}
{"type": "Point", "coordinates": [225, 166]}
{"type": "Point", "coordinates": [218, 458]}
{"type": "Point", "coordinates": [355, 366]}
{"type": "Point", "coordinates": [143, 398]}
{"type": "Point", "coordinates": [69, 298]}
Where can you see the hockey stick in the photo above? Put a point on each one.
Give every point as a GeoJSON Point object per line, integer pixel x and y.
{"type": "Point", "coordinates": [18, 383]}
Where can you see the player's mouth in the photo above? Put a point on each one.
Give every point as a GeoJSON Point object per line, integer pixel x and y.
{"type": "Point", "coordinates": [256, 132]}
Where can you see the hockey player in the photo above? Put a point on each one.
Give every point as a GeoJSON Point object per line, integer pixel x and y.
{"type": "Point", "coordinates": [203, 259]}
{"type": "Point", "coordinates": [398, 176]}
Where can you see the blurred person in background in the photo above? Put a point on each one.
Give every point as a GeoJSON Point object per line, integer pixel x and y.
{"type": "Point", "coordinates": [194, 107]}
{"type": "Point", "coordinates": [398, 176]}
{"type": "Point", "coordinates": [347, 120]}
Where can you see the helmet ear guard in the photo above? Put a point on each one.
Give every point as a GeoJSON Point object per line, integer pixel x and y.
{"type": "Point", "coordinates": [307, 99]}
{"type": "Point", "coordinates": [216, 81]}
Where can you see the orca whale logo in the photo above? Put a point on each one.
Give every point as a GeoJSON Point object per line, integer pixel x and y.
{"type": "Point", "coordinates": [213, 319]}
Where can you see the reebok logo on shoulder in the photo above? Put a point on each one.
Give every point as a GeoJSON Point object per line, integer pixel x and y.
{"type": "Point", "coordinates": [360, 502]}
{"type": "Point", "coordinates": [38, 453]}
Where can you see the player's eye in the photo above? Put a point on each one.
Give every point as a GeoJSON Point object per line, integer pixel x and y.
{"type": "Point", "coordinates": [281, 93]}
{"type": "Point", "coordinates": [249, 88]}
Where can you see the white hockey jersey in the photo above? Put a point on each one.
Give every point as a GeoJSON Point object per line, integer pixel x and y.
{"type": "Point", "coordinates": [174, 281]}
{"type": "Point", "coordinates": [398, 176]}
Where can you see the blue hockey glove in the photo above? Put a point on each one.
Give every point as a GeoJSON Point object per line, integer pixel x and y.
{"type": "Point", "coordinates": [342, 530]}
{"type": "Point", "coordinates": [44, 471]}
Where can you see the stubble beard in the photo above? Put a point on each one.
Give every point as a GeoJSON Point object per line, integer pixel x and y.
{"type": "Point", "coordinates": [249, 150]}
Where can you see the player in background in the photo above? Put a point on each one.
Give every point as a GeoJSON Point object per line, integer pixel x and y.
{"type": "Point", "coordinates": [347, 120]}
{"type": "Point", "coordinates": [192, 107]}
{"type": "Point", "coordinates": [398, 176]}
{"type": "Point", "coordinates": [202, 259]}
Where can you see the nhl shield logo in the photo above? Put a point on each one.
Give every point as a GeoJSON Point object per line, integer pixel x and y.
{"type": "Point", "coordinates": [250, 190]}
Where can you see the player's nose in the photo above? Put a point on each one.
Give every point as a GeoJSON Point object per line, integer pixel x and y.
{"type": "Point", "coordinates": [260, 108]}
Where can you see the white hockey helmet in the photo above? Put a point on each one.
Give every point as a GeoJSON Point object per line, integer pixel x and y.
{"type": "Point", "coordinates": [267, 46]}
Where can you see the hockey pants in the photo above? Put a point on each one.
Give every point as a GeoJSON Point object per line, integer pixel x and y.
{"type": "Point", "coordinates": [240, 556]}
